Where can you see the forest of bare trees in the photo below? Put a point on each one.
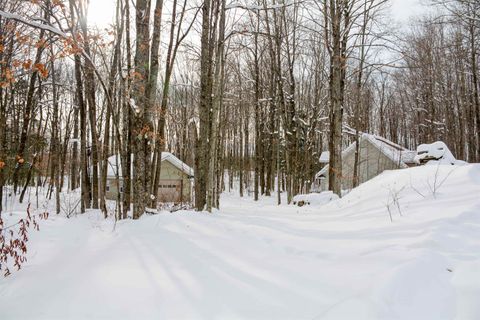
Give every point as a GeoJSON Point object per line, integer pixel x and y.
{"type": "Point", "coordinates": [248, 93]}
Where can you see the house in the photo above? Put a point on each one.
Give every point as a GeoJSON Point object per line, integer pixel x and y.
{"type": "Point", "coordinates": [175, 185]}
{"type": "Point", "coordinates": [376, 154]}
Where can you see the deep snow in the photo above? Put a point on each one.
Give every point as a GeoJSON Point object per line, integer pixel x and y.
{"type": "Point", "coordinates": [343, 260]}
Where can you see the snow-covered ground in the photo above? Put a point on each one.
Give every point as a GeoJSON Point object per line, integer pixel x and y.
{"type": "Point", "coordinates": [343, 260]}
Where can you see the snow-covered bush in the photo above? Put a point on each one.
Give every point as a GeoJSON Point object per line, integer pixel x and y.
{"type": "Point", "coordinates": [436, 152]}
{"type": "Point", "coordinates": [316, 199]}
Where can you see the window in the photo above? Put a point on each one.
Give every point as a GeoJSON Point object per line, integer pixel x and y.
{"type": "Point", "coordinates": [167, 186]}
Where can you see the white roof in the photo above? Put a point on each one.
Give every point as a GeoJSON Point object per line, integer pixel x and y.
{"type": "Point", "coordinates": [322, 172]}
{"type": "Point", "coordinates": [391, 150]}
{"type": "Point", "coordinates": [177, 163]}
{"type": "Point", "coordinates": [166, 156]}
{"type": "Point", "coordinates": [325, 157]}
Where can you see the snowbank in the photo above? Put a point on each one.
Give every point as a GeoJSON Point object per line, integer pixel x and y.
{"type": "Point", "coordinates": [404, 245]}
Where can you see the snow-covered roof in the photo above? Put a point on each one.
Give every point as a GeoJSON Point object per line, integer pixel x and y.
{"type": "Point", "coordinates": [166, 156]}
{"type": "Point", "coordinates": [408, 156]}
{"type": "Point", "coordinates": [322, 172]}
{"type": "Point", "coordinates": [179, 164]}
{"type": "Point", "coordinates": [325, 157]}
{"type": "Point", "coordinates": [391, 150]}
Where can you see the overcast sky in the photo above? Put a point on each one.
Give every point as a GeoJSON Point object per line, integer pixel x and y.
{"type": "Point", "coordinates": [102, 11]}
{"type": "Point", "coordinates": [402, 10]}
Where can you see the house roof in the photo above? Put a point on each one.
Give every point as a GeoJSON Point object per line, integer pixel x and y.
{"type": "Point", "coordinates": [391, 150]}
{"type": "Point", "coordinates": [177, 163]}
{"type": "Point", "coordinates": [166, 156]}
{"type": "Point", "coordinates": [325, 157]}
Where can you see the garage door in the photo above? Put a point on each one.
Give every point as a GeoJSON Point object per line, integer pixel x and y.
{"type": "Point", "coordinates": [170, 191]}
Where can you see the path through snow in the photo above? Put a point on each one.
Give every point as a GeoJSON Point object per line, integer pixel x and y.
{"type": "Point", "coordinates": [345, 260]}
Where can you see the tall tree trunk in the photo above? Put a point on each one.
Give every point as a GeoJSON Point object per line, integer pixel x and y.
{"type": "Point", "coordinates": [74, 152]}
{"type": "Point", "coordinates": [127, 120]}
{"type": "Point", "coordinates": [258, 141]}
{"type": "Point", "coordinates": [475, 84]}
{"type": "Point", "coordinates": [82, 109]}
{"type": "Point", "coordinates": [27, 115]}
{"type": "Point", "coordinates": [337, 14]}
{"type": "Point", "coordinates": [90, 99]}
{"type": "Point", "coordinates": [216, 107]}
{"type": "Point", "coordinates": [358, 98]}
{"type": "Point", "coordinates": [55, 141]}
{"type": "Point", "coordinates": [152, 97]}
{"type": "Point", "coordinates": [142, 128]}
{"type": "Point", "coordinates": [201, 148]}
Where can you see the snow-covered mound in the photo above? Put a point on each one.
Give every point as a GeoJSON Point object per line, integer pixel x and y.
{"type": "Point", "coordinates": [404, 245]}
{"type": "Point", "coordinates": [437, 153]}
{"type": "Point", "coordinates": [315, 199]}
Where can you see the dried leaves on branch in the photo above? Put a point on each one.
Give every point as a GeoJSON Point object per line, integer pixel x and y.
{"type": "Point", "coordinates": [14, 239]}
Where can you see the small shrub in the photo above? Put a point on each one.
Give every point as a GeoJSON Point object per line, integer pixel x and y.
{"type": "Point", "coordinates": [13, 241]}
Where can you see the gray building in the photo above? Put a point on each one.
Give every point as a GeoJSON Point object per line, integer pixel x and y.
{"type": "Point", "coordinates": [175, 185]}
{"type": "Point", "coordinates": [376, 154]}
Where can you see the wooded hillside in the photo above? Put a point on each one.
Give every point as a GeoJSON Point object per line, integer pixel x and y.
{"type": "Point", "coordinates": [248, 93]}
